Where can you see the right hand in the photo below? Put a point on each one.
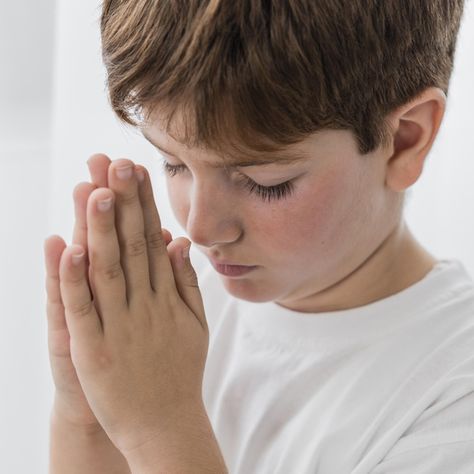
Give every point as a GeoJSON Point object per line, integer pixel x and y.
{"type": "Point", "coordinates": [70, 403]}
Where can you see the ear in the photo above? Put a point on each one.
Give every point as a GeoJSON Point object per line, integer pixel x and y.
{"type": "Point", "coordinates": [415, 126]}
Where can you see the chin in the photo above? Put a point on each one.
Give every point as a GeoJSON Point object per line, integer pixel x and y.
{"type": "Point", "coordinates": [248, 290]}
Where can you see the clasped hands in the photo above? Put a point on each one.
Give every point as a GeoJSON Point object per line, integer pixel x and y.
{"type": "Point", "coordinates": [134, 311]}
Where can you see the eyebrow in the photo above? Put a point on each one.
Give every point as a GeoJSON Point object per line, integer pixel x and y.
{"type": "Point", "coordinates": [279, 159]}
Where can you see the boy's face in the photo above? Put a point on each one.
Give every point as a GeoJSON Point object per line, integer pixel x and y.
{"type": "Point", "coordinates": [338, 214]}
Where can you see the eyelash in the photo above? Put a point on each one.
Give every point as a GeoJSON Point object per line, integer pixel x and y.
{"type": "Point", "coordinates": [266, 193]}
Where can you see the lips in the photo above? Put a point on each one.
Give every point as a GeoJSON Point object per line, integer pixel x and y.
{"type": "Point", "coordinates": [230, 269]}
{"type": "Point", "coordinates": [233, 270]}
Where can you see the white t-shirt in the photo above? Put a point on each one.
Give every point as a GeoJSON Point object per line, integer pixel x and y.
{"type": "Point", "coordinates": [384, 388]}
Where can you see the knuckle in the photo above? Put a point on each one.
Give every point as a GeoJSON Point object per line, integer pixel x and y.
{"type": "Point", "coordinates": [128, 199]}
{"type": "Point", "coordinates": [156, 241]}
{"type": "Point", "coordinates": [80, 309]}
{"type": "Point", "coordinates": [111, 271]}
{"type": "Point", "coordinates": [136, 245]}
{"type": "Point", "coordinates": [75, 280]}
{"type": "Point", "coordinates": [95, 361]}
{"type": "Point", "coordinates": [104, 226]}
{"type": "Point", "coordinates": [104, 361]}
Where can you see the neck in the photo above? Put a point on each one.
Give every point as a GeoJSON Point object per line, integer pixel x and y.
{"type": "Point", "coordinates": [398, 263]}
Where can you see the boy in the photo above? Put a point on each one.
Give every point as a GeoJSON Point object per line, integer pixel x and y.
{"type": "Point", "coordinates": [291, 131]}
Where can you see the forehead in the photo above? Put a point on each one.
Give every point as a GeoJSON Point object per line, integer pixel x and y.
{"type": "Point", "coordinates": [164, 143]}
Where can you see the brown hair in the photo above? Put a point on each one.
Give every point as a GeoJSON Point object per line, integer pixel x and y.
{"type": "Point", "coordinates": [269, 73]}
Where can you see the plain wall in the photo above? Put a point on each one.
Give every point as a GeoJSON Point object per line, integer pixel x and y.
{"type": "Point", "coordinates": [27, 31]}
{"type": "Point", "coordinates": [39, 174]}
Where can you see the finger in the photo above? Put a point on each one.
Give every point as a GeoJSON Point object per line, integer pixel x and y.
{"type": "Point", "coordinates": [104, 256]}
{"type": "Point", "coordinates": [53, 248]}
{"type": "Point", "coordinates": [98, 165]}
{"type": "Point", "coordinates": [130, 228]}
{"type": "Point", "coordinates": [186, 278]}
{"type": "Point", "coordinates": [83, 322]}
{"type": "Point", "coordinates": [167, 237]}
{"type": "Point", "coordinates": [81, 194]}
{"type": "Point", "coordinates": [160, 269]}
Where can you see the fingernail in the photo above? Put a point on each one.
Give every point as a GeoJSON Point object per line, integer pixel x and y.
{"type": "Point", "coordinates": [104, 205]}
{"type": "Point", "coordinates": [124, 173]}
{"type": "Point", "coordinates": [77, 258]}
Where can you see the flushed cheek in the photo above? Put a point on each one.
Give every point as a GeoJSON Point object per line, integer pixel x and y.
{"type": "Point", "coordinates": [314, 225]}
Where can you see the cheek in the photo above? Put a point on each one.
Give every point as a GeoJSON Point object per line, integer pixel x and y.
{"type": "Point", "coordinates": [321, 217]}
{"type": "Point", "coordinates": [317, 219]}
{"type": "Point", "coordinates": [179, 203]}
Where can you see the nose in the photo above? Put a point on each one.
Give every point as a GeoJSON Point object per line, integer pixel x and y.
{"type": "Point", "coordinates": [213, 216]}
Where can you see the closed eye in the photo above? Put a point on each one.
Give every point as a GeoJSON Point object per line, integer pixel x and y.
{"type": "Point", "coordinates": [266, 193]}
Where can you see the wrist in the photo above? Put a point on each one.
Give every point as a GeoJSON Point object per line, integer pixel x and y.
{"type": "Point", "coordinates": [61, 415]}
{"type": "Point", "coordinates": [186, 444]}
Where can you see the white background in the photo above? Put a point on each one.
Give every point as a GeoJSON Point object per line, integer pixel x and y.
{"type": "Point", "coordinates": [55, 114]}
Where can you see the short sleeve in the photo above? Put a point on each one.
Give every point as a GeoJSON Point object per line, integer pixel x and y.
{"type": "Point", "coordinates": [452, 458]}
{"type": "Point", "coordinates": [440, 442]}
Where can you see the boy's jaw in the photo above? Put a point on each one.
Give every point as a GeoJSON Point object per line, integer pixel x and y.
{"type": "Point", "coordinates": [398, 263]}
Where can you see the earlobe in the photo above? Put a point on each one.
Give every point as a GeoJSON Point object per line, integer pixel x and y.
{"type": "Point", "coordinates": [415, 126]}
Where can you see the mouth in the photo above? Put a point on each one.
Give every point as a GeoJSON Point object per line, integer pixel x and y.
{"type": "Point", "coordinates": [231, 270]}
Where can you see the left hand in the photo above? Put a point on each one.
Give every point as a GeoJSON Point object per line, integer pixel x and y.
{"type": "Point", "coordinates": [139, 342]}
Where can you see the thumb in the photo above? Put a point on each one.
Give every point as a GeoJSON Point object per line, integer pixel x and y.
{"type": "Point", "coordinates": [186, 278]}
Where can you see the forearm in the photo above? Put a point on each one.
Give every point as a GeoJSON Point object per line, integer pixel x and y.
{"type": "Point", "coordinates": [189, 446]}
{"type": "Point", "coordinates": [76, 450]}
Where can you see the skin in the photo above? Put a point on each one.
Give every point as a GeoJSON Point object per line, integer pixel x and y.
{"type": "Point", "coordinates": [339, 241]}
{"type": "Point", "coordinates": [128, 330]}
{"type": "Point", "coordinates": [70, 403]}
